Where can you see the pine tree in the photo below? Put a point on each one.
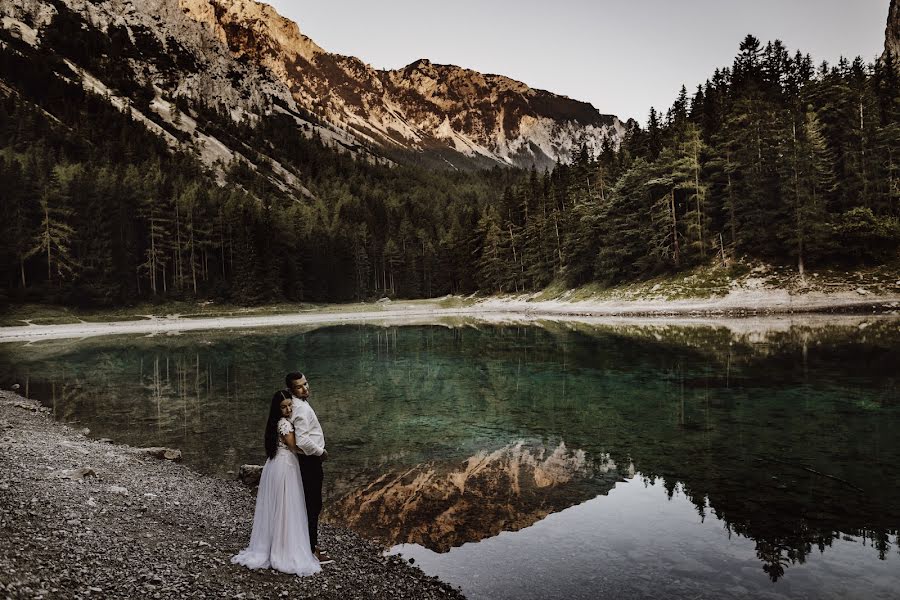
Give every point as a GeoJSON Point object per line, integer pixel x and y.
{"type": "Point", "coordinates": [187, 206]}
{"type": "Point", "coordinates": [159, 227]}
{"type": "Point", "coordinates": [21, 216]}
{"type": "Point", "coordinates": [54, 239]}
{"type": "Point", "coordinates": [246, 288]}
{"type": "Point", "coordinates": [654, 135]}
{"type": "Point", "coordinates": [94, 233]}
{"type": "Point", "coordinates": [809, 179]}
{"type": "Point", "coordinates": [493, 270]}
{"type": "Point", "coordinates": [361, 264]}
{"type": "Point", "coordinates": [666, 241]}
{"type": "Point", "coordinates": [678, 114]}
{"type": "Point", "coordinates": [686, 177]}
{"type": "Point", "coordinates": [750, 131]}
{"type": "Point", "coordinates": [625, 227]}
{"type": "Point", "coordinates": [392, 259]}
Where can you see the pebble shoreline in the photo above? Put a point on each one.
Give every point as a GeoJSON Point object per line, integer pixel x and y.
{"type": "Point", "coordinates": [84, 518]}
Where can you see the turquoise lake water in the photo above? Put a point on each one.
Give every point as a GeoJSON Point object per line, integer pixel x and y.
{"type": "Point", "coordinates": [560, 460]}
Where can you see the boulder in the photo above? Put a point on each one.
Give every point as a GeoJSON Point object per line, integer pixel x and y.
{"type": "Point", "coordinates": [163, 453]}
{"type": "Point", "coordinates": [250, 474]}
{"type": "Point", "coordinates": [74, 474]}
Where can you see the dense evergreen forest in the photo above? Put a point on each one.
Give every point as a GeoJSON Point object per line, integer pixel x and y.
{"type": "Point", "coordinates": [773, 158]}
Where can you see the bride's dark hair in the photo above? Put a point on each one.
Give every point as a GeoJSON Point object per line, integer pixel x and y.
{"type": "Point", "coordinates": [272, 424]}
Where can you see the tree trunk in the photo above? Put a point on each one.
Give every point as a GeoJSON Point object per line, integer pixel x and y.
{"type": "Point", "coordinates": [731, 216]}
{"type": "Point", "coordinates": [222, 243]}
{"type": "Point", "coordinates": [722, 249]}
{"type": "Point", "coordinates": [862, 155]}
{"type": "Point", "coordinates": [558, 242]}
{"type": "Point", "coordinates": [47, 231]}
{"type": "Point", "coordinates": [602, 194]}
{"type": "Point", "coordinates": [512, 243]}
{"type": "Point", "coordinates": [699, 203]}
{"type": "Point", "coordinates": [193, 259]}
{"type": "Point", "coordinates": [152, 260]}
{"type": "Point", "coordinates": [677, 256]}
{"type": "Point", "coordinates": [178, 263]}
{"type": "Point", "coordinates": [798, 208]}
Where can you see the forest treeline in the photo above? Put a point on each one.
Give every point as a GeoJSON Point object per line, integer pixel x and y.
{"type": "Point", "coordinates": [774, 158]}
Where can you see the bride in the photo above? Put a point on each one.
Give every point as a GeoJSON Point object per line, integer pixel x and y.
{"type": "Point", "coordinates": [280, 537]}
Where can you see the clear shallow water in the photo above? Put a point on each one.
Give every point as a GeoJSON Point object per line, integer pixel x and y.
{"type": "Point", "coordinates": [630, 544]}
{"type": "Point", "coordinates": [564, 461]}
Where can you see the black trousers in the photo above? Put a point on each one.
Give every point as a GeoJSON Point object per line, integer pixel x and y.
{"type": "Point", "coordinates": [312, 474]}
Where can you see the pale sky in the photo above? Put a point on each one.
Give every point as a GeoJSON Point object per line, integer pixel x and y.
{"type": "Point", "coordinates": [622, 56]}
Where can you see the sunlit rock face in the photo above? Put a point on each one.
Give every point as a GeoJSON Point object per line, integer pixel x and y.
{"type": "Point", "coordinates": [892, 31]}
{"type": "Point", "coordinates": [175, 46]}
{"type": "Point", "coordinates": [420, 107]}
{"type": "Point", "coordinates": [495, 117]}
{"type": "Point", "coordinates": [242, 56]}
{"type": "Point", "coordinates": [442, 505]}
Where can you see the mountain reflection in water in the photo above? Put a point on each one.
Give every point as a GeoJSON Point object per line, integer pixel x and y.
{"type": "Point", "coordinates": [784, 440]}
{"type": "Point", "coordinates": [442, 505]}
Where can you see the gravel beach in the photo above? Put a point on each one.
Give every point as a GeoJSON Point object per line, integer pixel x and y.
{"type": "Point", "coordinates": [84, 518]}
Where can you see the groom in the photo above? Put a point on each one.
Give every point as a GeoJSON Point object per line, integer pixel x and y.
{"type": "Point", "coordinates": [311, 444]}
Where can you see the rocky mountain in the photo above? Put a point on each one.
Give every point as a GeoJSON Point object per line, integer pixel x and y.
{"type": "Point", "coordinates": [245, 60]}
{"type": "Point", "coordinates": [892, 30]}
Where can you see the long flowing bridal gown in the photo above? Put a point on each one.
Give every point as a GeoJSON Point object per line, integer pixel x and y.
{"type": "Point", "coordinates": [280, 537]}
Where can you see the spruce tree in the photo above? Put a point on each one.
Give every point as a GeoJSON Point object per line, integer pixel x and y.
{"type": "Point", "coordinates": [55, 236]}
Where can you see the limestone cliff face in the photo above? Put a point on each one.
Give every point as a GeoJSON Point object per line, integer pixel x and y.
{"type": "Point", "coordinates": [242, 56]}
{"type": "Point", "coordinates": [162, 30]}
{"type": "Point", "coordinates": [421, 107]}
{"type": "Point", "coordinates": [892, 31]}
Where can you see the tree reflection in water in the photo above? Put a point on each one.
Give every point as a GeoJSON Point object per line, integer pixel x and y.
{"type": "Point", "coordinates": [450, 433]}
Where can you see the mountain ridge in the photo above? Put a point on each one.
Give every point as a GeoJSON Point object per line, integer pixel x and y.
{"type": "Point", "coordinates": [243, 56]}
{"type": "Point", "coordinates": [892, 31]}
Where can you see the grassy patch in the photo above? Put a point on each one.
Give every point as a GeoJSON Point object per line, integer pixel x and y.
{"type": "Point", "coordinates": [555, 291]}
{"type": "Point", "coordinates": [457, 301]}
{"type": "Point", "coordinates": [715, 281]}
{"type": "Point", "coordinates": [704, 282]}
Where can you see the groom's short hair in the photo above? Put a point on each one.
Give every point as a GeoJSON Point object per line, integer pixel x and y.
{"type": "Point", "coordinates": [292, 377]}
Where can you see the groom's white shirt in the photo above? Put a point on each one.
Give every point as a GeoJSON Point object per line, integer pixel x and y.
{"type": "Point", "coordinates": [308, 432]}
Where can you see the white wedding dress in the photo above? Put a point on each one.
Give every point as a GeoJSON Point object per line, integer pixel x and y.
{"type": "Point", "coordinates": [280, 538]}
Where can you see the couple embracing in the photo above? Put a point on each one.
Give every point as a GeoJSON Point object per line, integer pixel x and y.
{"type": "Point", "coordinates": [289, 500]}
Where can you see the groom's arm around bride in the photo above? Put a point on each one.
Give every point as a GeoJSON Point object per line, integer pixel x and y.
{"type": "Point", "coordinates": [311, 445]}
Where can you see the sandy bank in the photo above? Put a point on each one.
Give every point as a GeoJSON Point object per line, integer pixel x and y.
{"type": "Point", "coordinates": [736, 304]}
{"type": "Point", "coordinates": [80, 518]}
{"type": "Point", "coordinates": [166, 325]}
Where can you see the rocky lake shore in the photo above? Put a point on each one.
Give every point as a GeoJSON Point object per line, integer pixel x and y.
{"type": "Point", "coordinates": [85, 518]}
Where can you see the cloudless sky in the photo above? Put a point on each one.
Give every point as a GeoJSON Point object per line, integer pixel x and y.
{"type": "Point", "coordinates": [622, 56]}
